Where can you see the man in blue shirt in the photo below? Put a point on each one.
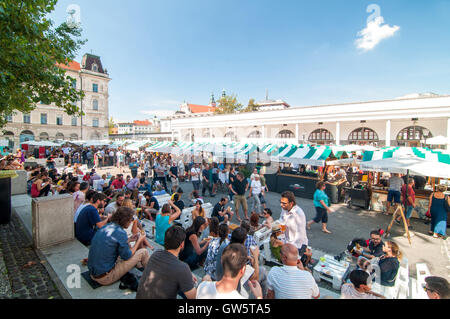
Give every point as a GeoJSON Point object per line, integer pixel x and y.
{"type": "Point", "coordinates": [89, 219]}
{"type": "Point", "coordinates": [111, 242]}
{"type": "Point", "coordinates": [134, 165]}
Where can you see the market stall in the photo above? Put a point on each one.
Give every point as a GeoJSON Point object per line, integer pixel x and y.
{"type": "Point", "coordinates": [302, 180]}
{"type": "Point", "coordinates": [434, 165]}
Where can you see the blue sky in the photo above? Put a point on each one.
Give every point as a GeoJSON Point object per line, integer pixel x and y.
{"type": "Point", "coordinates": [160, 53]}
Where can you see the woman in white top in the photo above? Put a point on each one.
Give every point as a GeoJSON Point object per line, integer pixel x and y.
{"type": "Point", "coordinates": [255, 190]}
{"type": "Point", "coordinates": [135, 227]}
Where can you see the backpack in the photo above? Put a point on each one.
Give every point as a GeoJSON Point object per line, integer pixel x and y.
{"type": "Point", "coordinates": [129, 281]}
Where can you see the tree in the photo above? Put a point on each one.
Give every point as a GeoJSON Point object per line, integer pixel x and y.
{"type": "Point", "coordinates": [251, 107]}
{"type": "Point", "coordinates": [227, 105]}
{"type": "Point", "coordinates": [31, 48]}
{"type": "Point", "coordinates": [111, 125]}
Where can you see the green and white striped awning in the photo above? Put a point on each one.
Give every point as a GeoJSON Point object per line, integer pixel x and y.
{"type": "Point", "coordinates": [419, 161]}
{"type": "Point", "coordinates": [161, 147]}
{"type": "Point", "coordinates": [419, 152]}
{"type": "Point", "coordinates": [306, 155]}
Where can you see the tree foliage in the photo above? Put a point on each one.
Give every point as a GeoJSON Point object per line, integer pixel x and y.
{"type": "Point", "coordinates": [251, 107]}
{"type": "Point", "coordinates": [228, 105]}
{"type": "Point", "coordinates": [31, 47]}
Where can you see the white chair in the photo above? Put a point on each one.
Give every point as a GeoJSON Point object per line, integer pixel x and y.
{"type": "Point", "coordinates": [422, 273]}
{"type": "Point", "coordinates": [261, 235]}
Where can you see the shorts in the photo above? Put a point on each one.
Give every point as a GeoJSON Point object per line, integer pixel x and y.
{"type": "Point", "coordinates": [215, 178]}
{"type": "Point", "coordinates": [240, 200]}
{"type": "Point", "coordinates": [393, 195]}
{"type": "Point", "coordinates": [261, 198]}
{"type": "Point", "coordinates": [409, 210]}
{"type": "Point", "coordinates": [321, 215]}
{"type": "Point", "coordinates": [222, 218]}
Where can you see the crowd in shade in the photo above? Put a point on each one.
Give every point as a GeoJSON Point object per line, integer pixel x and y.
{"type": "Point", "coordinates": [109, 215]}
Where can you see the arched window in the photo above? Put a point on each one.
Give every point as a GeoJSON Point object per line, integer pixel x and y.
{"type": "Point", "coordinates": [73, 137]}
{"type": "Point", "coordinates": [363, 134]}
{"type": "Point", "coordinates": [95, 136]}
{"type": "Point", "coordinates": [413, 133]}
{"type": "Point", "coordinates": [285, 134]}
{"type": "Point", "coordinates": [95, 67]}
{"type": "Point", "coordinates": [255, 134]}
{"type": "Point", "coordinates": [9, 136]}
{"type": "Point", "coordinates": [59, 136]}
{"type": "Point", "coordinates": [43, 136]}
{"type": "Point", "coordinates": [95, 105]}
{"type": "Point", "coordinates": [230, 135]}
{"type": "Point", "coordinates": [26, 136]}
{"type": "Point", "coordinates": [321, 135]}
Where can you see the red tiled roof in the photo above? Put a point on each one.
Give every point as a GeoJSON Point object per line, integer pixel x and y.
{"type": "Point", "coordinates": [194, 108]}
{"type": "Point", "coordinates": [73, 65]}
{"type": "Point", "coordinates": [142, 123]}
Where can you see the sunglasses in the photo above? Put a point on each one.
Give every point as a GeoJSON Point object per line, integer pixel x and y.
{"type": "Point", "coordinates": [428, 289]}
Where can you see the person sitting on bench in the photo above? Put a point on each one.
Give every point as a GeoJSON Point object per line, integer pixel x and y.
{"type": "Point", "coordinates": [110, 243]}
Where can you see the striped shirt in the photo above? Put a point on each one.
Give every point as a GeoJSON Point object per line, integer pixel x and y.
{"type": "Point", "coordinates": [348, 291]}
{"type": "Point", "coordinates": [289, 282]}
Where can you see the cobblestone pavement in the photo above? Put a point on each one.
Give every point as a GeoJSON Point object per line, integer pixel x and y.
{"type": "Point", "coordinates": [24, 272]}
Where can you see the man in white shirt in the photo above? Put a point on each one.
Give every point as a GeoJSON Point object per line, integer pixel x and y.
{"type": "Point", "coordinates": [255, 191]}
{"type": "Point", "coordinates": [195, 176]}
{"type": "Point", "coordinates": [360, 287]}
{"type": "Point", "coordinates": [234, 262]}
{"type": "Point", "coordinates": [112, 207]}
{"type": "Point", "coordinates": [291, 281]}
{"type": "Point", "coordinates": [294, 219]}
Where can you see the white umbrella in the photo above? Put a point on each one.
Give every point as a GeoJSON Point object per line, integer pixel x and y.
{"type": "Point", "coordinates": [438, 140]}
{"type": "Point", "coordinates": [416, 166]}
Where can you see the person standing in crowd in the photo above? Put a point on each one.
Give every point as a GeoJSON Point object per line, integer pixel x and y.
{"type": "Point", "coordinates": [437, 208]}
{"type": "Point", "coordinates": [394, 192]}
{"type": "Point", "coordinates": [322, 205]}
{"type": "Point", "coordinates": [110, 243]}
{"type": "Point", "coordinates": [231, 179]}
{"type": "Point", "coordinates": [165, 276]}
{"type": "Point", "coordinates": [173, 174]}
{"type": "Point", "coordinates": [215, 177]}
{"type": "Point", "coordinates": [134, 166]}
{"type": "Point", "coordinates": [195, 176]}
{"type": "Point", "coordinates": [437, 287]}
{"type": "Point", "coordinates": [146, 168]}
{"type": "Point", "coordinates": [293, 217]}
{"type": "Point", "coordinates": [254, 194]}
{"type": "Point", "coordinates": [291, 281]}
{"type": "Point", "coordinates": [234, 263]}
{"type": "Point", "coordinates": [181, 170]}
{"type": "Point", "coordinates": [409, 202]}
{"type": "Point", "coordinates": [238, 187]}
{"type": "Point", "coordinates": [207, 180]}
{"type": "Point", "coordinates": [160, 175]}
{"type": "Point", "coordinates": [89, 219]}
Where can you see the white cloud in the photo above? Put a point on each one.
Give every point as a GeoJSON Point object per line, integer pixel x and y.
{"type": "Point", "coordinates": [374, 32]}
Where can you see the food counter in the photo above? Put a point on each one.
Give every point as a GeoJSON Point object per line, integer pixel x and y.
{"type": "Point", "coordinates": [379, 200]}
{"type": "Point", "coordinates": [303, 186]}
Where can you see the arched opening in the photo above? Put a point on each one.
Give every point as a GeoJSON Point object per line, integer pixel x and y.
{"type": "Point", "coordinates": [230, 135]}
{"type": "Point", "coordinates": [9, 136]}
{"type": "Point", "coordinates": [59, 136]}
{"type": "Point", "coordinates": [413, 136]}
{"type": "Point", "coordinates": [362, 136]}
{"type": "Point", "coordinates": [255, 134]}
{"type": "Point", "coordinates": [285, 134]}
{"type": "Point", "coordinates": [26, 136]}
{"type": "Point", "coordinates": [321, 136]}
{"type": "Point", "coordinates": [95, 136]}
{"type": "Point", "coordinates": [73, 137]}
{"type": "Point", "coordinates": [43, 136]}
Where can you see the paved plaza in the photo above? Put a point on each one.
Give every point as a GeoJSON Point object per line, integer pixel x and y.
{"type": "Point", "coordinates": [25, 274]}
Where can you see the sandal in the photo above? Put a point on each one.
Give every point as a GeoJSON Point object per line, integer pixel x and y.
{"type": "Point", "coordinates": [326, 231]}
{"type": "Point", "coordinates": [435, 236]}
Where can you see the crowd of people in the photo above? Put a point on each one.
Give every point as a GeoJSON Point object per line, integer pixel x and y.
{"type": "Point", "coordinates": [108, 213]}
